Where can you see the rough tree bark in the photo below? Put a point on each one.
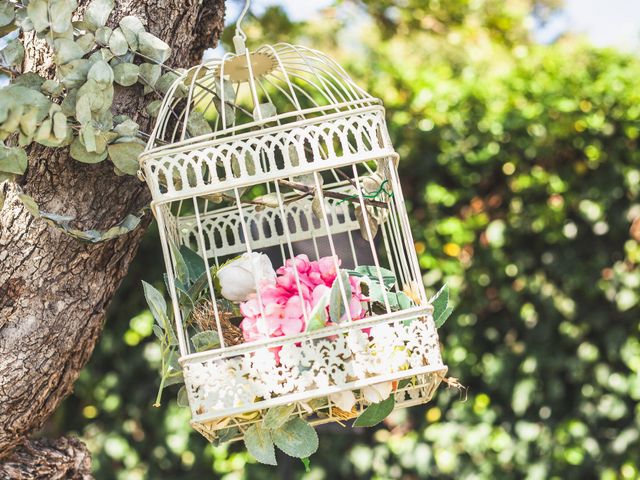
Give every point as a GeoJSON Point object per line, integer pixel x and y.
{"type": "Point", "coordinates": [54, 290]}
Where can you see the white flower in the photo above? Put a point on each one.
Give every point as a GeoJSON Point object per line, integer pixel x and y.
{"type": "Point", "coordinates": [378, 392]}
{"type": "Point", "coordinates": [239, 278]}
{"type": "Point", "coordinates": [343, 400]}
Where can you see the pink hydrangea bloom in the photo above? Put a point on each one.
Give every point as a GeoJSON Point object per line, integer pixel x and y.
{"type": "Point", "coordinates": [284, 303]}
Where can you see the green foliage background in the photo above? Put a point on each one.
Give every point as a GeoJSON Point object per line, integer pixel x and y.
{"type": "Point", "coordinates": [522, 175]}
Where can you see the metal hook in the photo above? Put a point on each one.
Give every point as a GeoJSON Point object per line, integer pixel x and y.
{"type": "Point", "coordinates": [240, 37]}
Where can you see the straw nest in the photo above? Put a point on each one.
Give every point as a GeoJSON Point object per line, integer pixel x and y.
{"type": "Point", "coordinates": [205, 319]}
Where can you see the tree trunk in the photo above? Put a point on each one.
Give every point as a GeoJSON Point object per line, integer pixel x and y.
{"type": "Point", "coordinates": [54, 290]}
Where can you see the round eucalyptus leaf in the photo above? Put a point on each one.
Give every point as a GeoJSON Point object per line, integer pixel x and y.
{"type": "Point", "coordinates": [101, 72]}
{"type": "Point", "coordinates": [86, 42]}
{"type": "Point", "coordinates": [152, 47]}
{"type": "Point", "coordinates": [150, 73]}
{"type": "Point", "coordinates": [13, 53]}
{"type": "Point", "coordinates": [79, 152]}
{"type": "Point", "coordinates": [118, 43]}
{"type": "Point", "coordinates": [125, 156]}
{"type": "Point", "coordinates": [12, 160]}
{"type": "Point", "coordinates": [60, 125]}
{"type": "Point", "coordinates": [38, 13]}
{"type": "Point", "coordinates": [98, 11]}
{"type": "Point", "coordinates": [74, 73]}
{"type": "Point", "coordinates": [131, 27]}
{"type": "Point", "coordinates": [103, 34]}
{"type": "Point", "coordinates": [126, 74]}
{"type": "Point", "coordinates": [67, 50]}
{"type": "Point", "coordinates": [154, 108]}
{"type": "Point", "coordinates": [60, 12]}
{"type": "Point", "coordinates": [127, 128]}
{"type": "Point", "coordinates": [29, 122]}
{"type": "Point", "coordinates": [7, 13]}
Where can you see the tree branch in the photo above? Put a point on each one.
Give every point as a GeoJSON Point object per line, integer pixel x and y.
{"type": "Point", "coordinates": [63, 458]}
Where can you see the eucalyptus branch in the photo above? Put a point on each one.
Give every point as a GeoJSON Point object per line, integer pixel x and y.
{"type": "Point", "coordinates": [12, 72]}
{"type": "Point", "coordinates": [301, 187]}
{"type": "Point", "coordinates": [204, 87]}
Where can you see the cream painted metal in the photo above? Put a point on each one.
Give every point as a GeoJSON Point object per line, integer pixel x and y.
{"type": "Point", "coordinates": [279, 116]}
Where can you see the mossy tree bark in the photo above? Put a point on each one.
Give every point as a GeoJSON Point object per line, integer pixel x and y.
{"type": "Point", "coordinates": [54, 290]}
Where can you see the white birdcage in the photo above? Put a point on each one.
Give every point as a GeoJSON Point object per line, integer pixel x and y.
{"type": "Point", "coordinates": [277, 150]}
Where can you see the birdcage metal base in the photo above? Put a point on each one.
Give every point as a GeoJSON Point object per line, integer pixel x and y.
{"type": "Point", "coordinates": [232, 388]}
{"type": "Point", "coordinates": [410, 391]}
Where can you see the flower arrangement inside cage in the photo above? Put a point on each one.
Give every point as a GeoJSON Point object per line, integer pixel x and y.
{"type": "Point", "coordinates": [296, 293]}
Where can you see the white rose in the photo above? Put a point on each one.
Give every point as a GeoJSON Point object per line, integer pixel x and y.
{"type": "Point", "coordinates": [343, 400]}
{"type": "Point", "coordinates": [378, 392]}
{"type": "Point", "coordinates": [240, 277]}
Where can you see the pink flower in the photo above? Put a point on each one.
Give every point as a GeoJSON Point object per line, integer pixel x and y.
{"type": "Point", "coordinates": [279, 309]}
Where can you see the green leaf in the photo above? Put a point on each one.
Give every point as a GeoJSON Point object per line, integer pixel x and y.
{"type": "Point", "coordinates": [13, 160]}
{"type": "Point", "coordinates": [276, 417]}
{"type": "Point", "coordinates": [259, 443]}
{"type": "Point", "coordinates": [125, 156]}
{"type": "Point", "coordinates": [337, 306]}
{"type": "Point", "coordinates": [67, 50]}
{"type": "Point", "coordinates": [101, 73]}
{"type": "Point", "coordinates": [126, 74]}
{"type": "Point", "coordinates": [182, 272]}
{"type": "Point", "coordinates": [38, 13]}
{"type": "Point", "coordinates": [52, 87]}
{"type": "Point", "coordinates": [398, 301]}
{"type": "Point", "coordinates": [197, 125]}
{"type": "Point", "coordinates": [152, 47]}
{"type": "Point", "coordinates": [375, 413]}
{"type": "Point", "coordinates": [13, 53]}
{"type": "Point", "coordinates": [296, 438]}
{"type": "Point", "coordinates": [30, 204]}
{"type": "Point", "coordinates": [388, 277]}
{"type": "Point", "coordinates": [29, 122]}
{"type": "Point", "coordinates": [166, 81]}
{"type": "Point", "coordinates": [194, 262]}
{"type": "Point", "coordinates": [29, 80]}
{"type": "Point", "coordinates": [131, 27]}
{"type": "Point", "coordinates": [118, 43]}
{"type": "Point", "coordinates": [74, 73]}
{"type": "Point", "coordinates": [60, 129]}
{"type": "Point", "coordinates": [7, 13]}
{"type": "Point", "coordinates": [173, 378]}
{"type": "Point", "coordinates": [126, 128]}
{"type": "Point", "coordinates": [318, 315]}
{"type": "Point", "coordinates": [263, 110]}
{"type": "Point", "coordinates": [150, 73]}
{"type": "Point", "coordinates": [441, 307]}
{"type": "Point", "coordinates": [225, 89]}
{"type": "Point", "coordinates": [86, 42]}
{"type": "Point", "coordinates": [206, 340]}
{"type": "Point", "coordinates": [44, 131]}
{"type": "Point", "coordinates": [98, 11]}
{"type": "Point", "coordinates": [157, 304]}
{"type": "Point", "coordinates": [153, 109]}
{"type": "Point", "coordinates": [80, 153]}
{"type": "Point", "coordinates": [60, 12]}
{"type": "Point", "coordinates": [102, 36]}
{"type": "Point", "coordinates": [183, 398]}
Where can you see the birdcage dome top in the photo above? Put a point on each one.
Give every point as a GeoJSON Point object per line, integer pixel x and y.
{"type": "Point", "coordinates": [274, 85]}
{"type": "Point", "coordinates": [256, 116]}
